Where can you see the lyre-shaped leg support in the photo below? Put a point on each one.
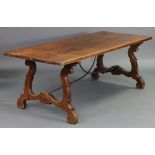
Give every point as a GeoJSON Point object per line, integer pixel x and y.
{"type": "Point", "coordinates": [117, 70]}
{"type": "Point", "coordinates": [21, 102]}
{"type": "Point", "coordinates": [45, 97]}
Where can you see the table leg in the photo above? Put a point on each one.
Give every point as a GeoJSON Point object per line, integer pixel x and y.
{"type": "Point", "coordinates": [117, 70]}
{"type": "Point", "coordinates": [66, 101]}
{"type": "Point", "coordinates": [46, 97]}
{"type": "Point", "coordinates": [134, 67]}
{"type": "Point", "coordinates": [100, 67]}
{"type": "Point", "coordinates": [21, 102]}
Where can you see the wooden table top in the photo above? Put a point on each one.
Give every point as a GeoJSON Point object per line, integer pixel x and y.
{"type": "Point", "coordinates": [77, 48]}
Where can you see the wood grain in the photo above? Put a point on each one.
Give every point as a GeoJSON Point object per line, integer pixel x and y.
{"type": "Point", "coordinates": [67, 51]}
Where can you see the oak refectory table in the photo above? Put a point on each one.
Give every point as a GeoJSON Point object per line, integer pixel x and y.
{"type": "Point", "coordinates": [70, 52]}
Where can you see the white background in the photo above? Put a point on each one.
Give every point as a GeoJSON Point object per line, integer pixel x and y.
{"type": "Point", "coordinates": [81, 13]}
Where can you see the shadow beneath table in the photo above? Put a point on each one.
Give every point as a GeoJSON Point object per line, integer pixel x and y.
{"type": "Point", "coordinates": [89, 92]}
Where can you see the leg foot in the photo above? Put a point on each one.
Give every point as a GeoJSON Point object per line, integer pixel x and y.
{"type": "Point", "coordinates": [95, 76]}
{"type": "Point", "coordinates": [72, 117]}
{"type": "Point", "coordinates": [140, 84]}
{"type": "Point", "coordinates": [21, 103]}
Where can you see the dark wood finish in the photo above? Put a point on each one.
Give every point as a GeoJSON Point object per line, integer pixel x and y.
{"type": "Point", "coordinates": [68, 53]}
{"type": "Point", "coordinates": [75, 49]}
{"type": "Point", "coordinates": [117, 70]}
{"type": "Point", "coordinates": [46, 97]}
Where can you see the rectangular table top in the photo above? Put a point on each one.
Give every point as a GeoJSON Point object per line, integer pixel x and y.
{"type": "Point", "coordinates": [77, 48]}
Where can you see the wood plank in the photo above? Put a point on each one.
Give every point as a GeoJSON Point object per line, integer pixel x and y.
{"type": "Point", "coordinates": [77, 48]}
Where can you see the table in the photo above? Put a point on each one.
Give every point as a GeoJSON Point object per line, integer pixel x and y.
{"type": "Point", "coordinates": [68, 53]}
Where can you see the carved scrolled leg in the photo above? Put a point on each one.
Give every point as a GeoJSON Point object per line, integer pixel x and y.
{"type": "Point", "coordinates": [46, 97]}
{"type": "Point", "coordinates": [117, 70]}
{"type": "Point", "coordinates": [66, 101]}
{"type": "Point", "coordinates": [21, 102]}
{"type": "Point", "coordinates": [95, 74]}
{"type": "Point", "coordinates": [134, 67]}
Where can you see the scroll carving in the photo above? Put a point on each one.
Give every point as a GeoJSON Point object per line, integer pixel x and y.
{"type": "Point", "coordinates": [117, 70]}
{"type": "Point", "coordinates": [45, 97]}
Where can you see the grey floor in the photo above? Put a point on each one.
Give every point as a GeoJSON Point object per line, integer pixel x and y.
{"type": "Point", "coordinates": [113, 101]}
